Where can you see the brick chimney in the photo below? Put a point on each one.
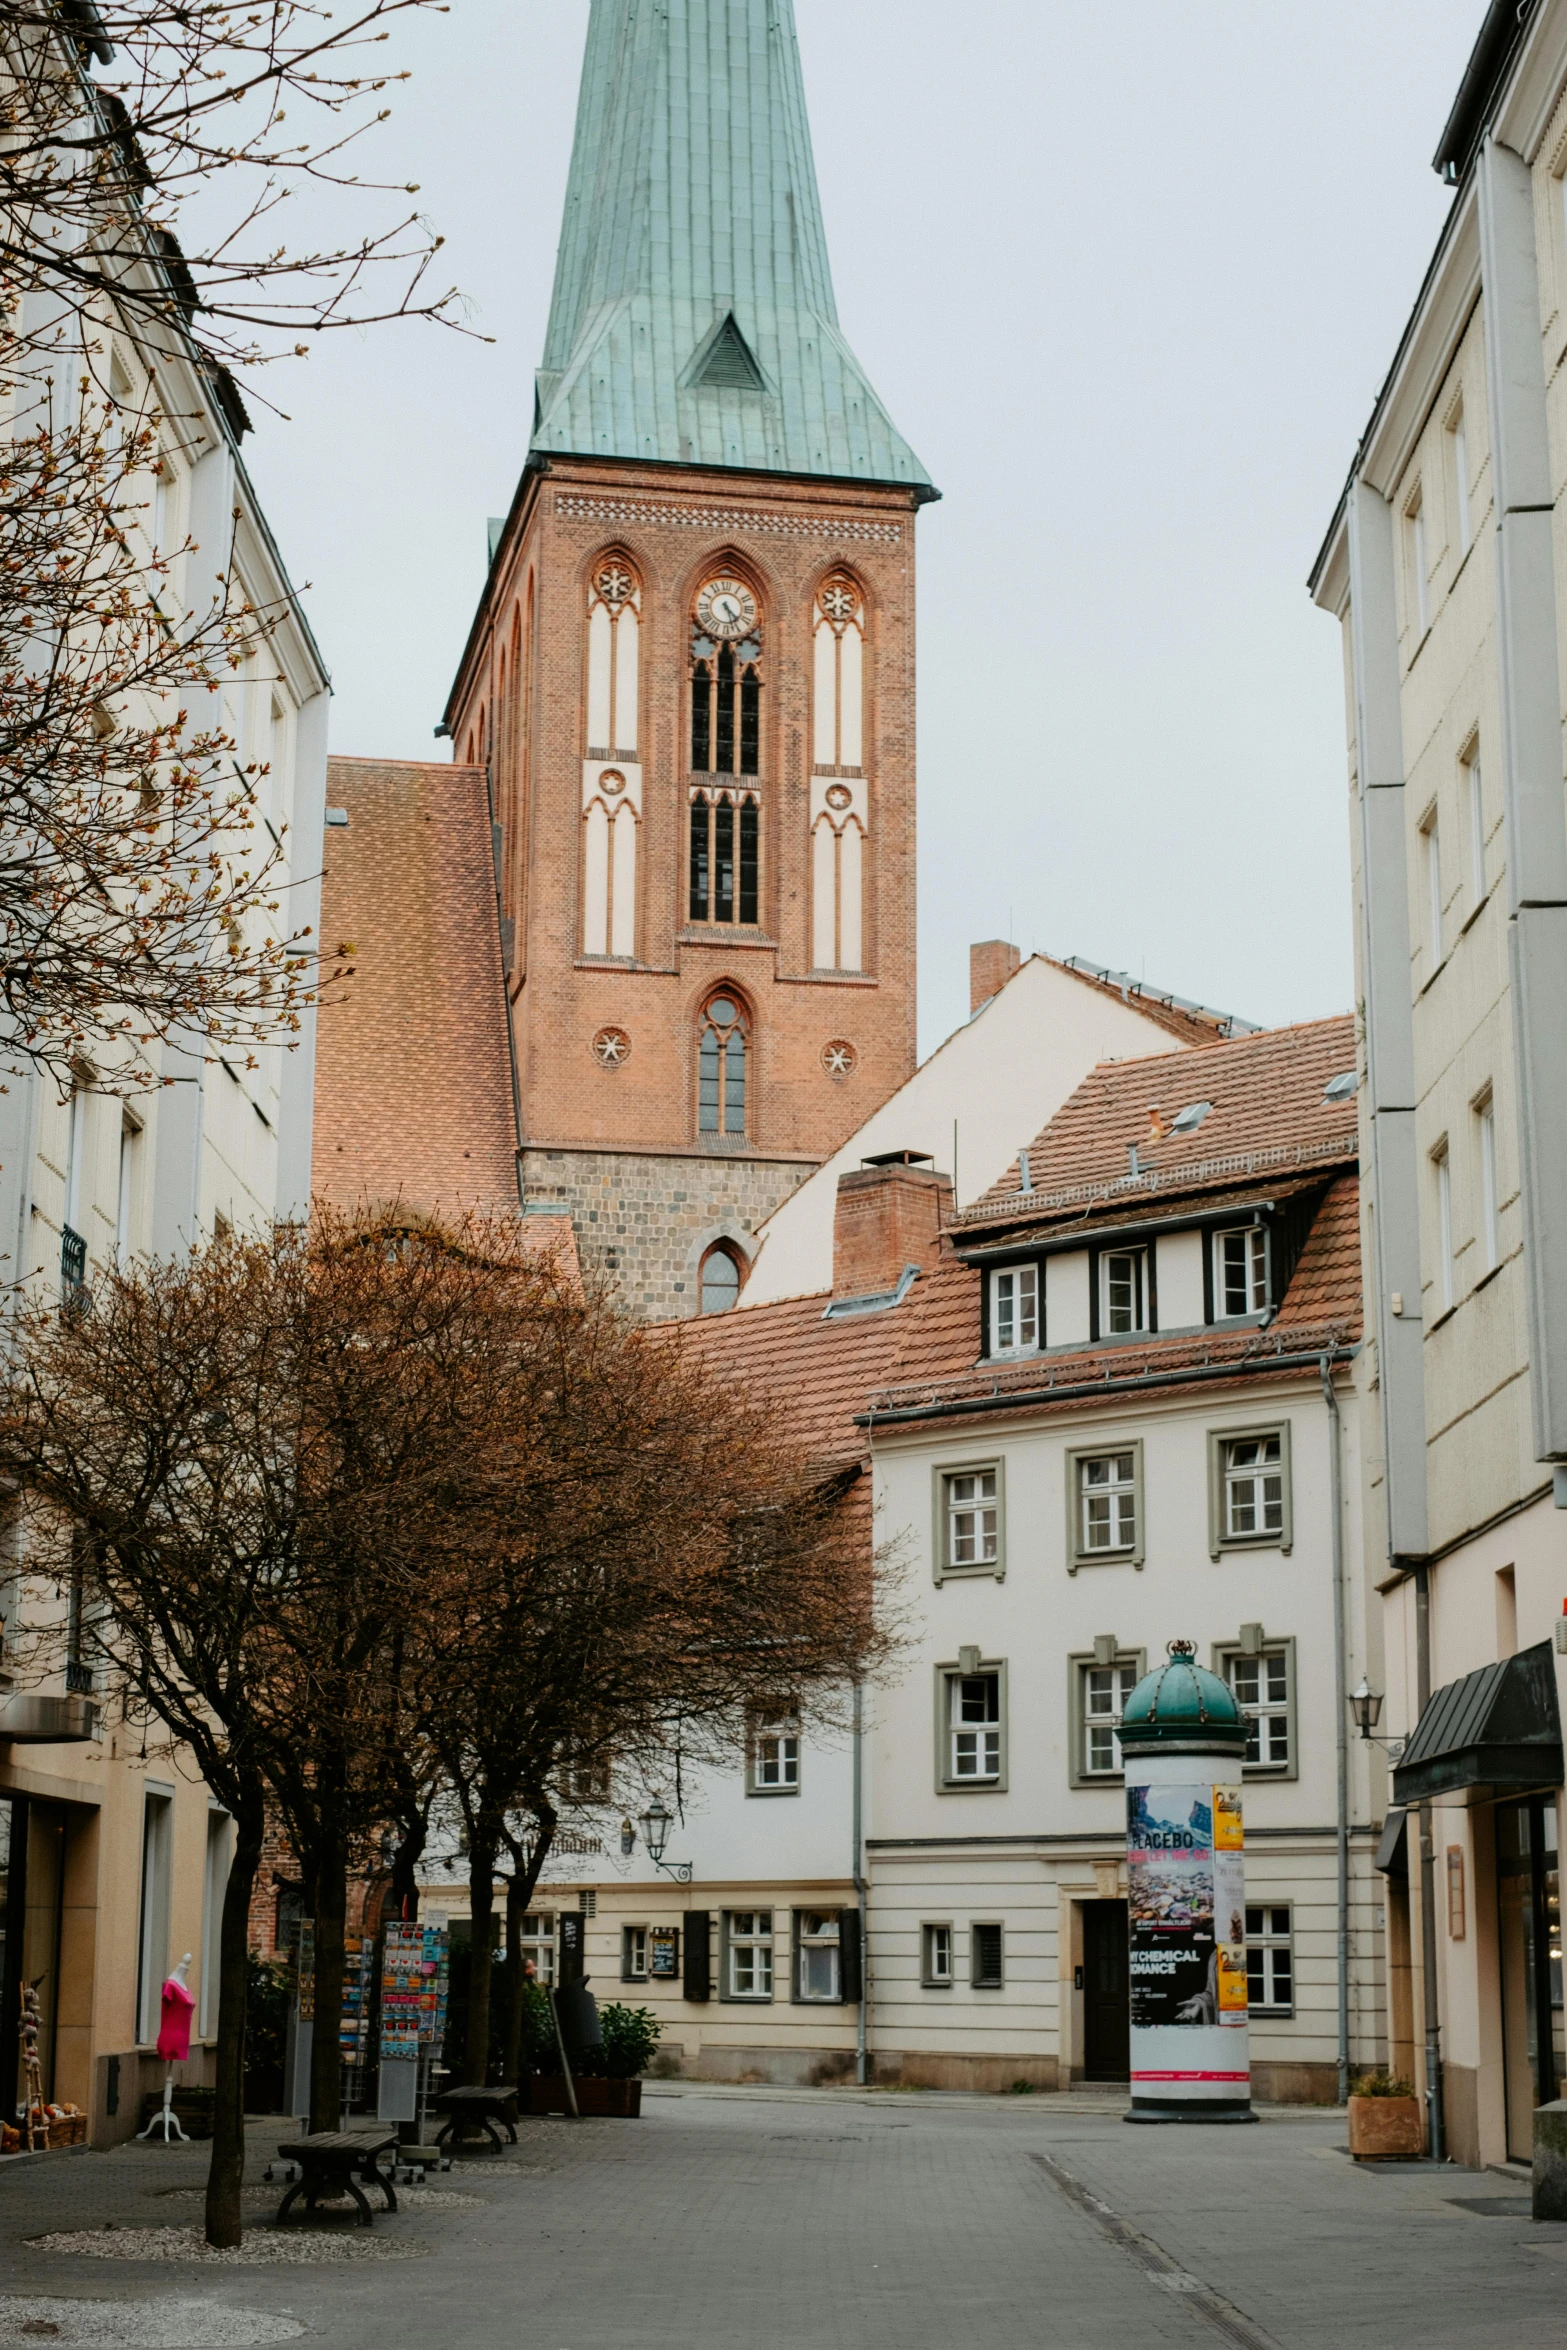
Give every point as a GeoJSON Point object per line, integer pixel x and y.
{"type": "Point", "coordinates": [990, 965]}
{"type": "Point", "coordinates": [887, 1216]}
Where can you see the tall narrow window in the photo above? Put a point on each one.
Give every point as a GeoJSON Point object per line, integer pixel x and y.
{"type": "Point", "coordinates": [1431, 839]}
{"type": "Point", "coordinates": [725, 856]}
{"type": "Point", "coordinates": [125, 1195]}
{"type": "Point", "coordinates": [1419, 583]}
{"type": "Point", "coordinates": [1458, 444]}
{"type": "Point", "coordinates": [1475, 797]}
{"type": "Point", "coordinates": [611, 773]}
{"type": "Point", "coordinates": [839, 792]}
{"type": "Point", "coordinates": [721, 1072]}
{"type": "Point", "coordinates": [219, 1827]}
{"type": "Point", "coordinates": [1442, 1168]}
{"type": "Point", "coordinates": [1490, 1205]}
{"type": "Point", "coordinates": [1240, 1272]}
{"type": "Point", "coordinates": [1123, 1275]}
{"type": "Point", "coordinates": [153, 1938]}
{"type": "Point", "coordinates": [1014, 1314]}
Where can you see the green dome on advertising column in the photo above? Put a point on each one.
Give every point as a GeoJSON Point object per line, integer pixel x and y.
{"type": "Point", "coordinates": [1181, 1708]}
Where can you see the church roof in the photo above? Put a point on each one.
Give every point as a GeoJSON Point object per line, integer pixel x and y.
{"type": "Point", "coordinates": [693, 319]}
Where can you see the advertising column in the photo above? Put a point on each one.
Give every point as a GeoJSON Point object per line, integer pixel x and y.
{"type": "Point", "coordinates": [1183, 1742]}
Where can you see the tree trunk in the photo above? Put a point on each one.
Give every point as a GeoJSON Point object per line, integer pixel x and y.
{"type": "Point", "coordinates": [225, 2174]}
{"type": "Point", "coordinates": [481, 1901]}
{"type": "Point", "coordinates": [526, 1862]}
{"type": "Point", "coordinates": [326, 2063]}
{"type": "Point", "coordinates": [404, 1902]}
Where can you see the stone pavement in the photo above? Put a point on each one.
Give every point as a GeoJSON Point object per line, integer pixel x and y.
{"type": "Point", "coordinates": [868, 2219]}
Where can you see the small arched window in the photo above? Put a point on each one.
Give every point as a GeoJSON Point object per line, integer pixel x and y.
{"type": "Point", "coordinates": [720, 1279]}
{"type": "Point", "coordinates": [721, 1072]}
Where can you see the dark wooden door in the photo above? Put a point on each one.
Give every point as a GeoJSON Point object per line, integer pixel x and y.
{"type": "Point", "coordinates": [1106, 2010]}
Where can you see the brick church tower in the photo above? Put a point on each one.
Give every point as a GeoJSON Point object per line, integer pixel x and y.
{"type": "Point", "coordinates": [691, 676]}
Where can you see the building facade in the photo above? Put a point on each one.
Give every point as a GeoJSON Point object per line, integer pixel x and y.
{"type": "Point", "coordinates": [112, 1857]}
{"type": "Point", "coordinates": [1441, 566]}
{"type": "Point", "coordinates": [690, 680]}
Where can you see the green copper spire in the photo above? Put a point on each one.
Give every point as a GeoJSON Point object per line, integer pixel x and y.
{"type": "Point", "coordinates": [693, 320]}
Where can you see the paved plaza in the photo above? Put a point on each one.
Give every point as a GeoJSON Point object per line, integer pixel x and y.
{"type": "Point", "coordinates": [825, 2218]}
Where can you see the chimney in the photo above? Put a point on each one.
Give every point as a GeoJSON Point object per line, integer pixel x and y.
{"type": "Point", "coordinates": [888, 1215]}
{"type": "Point", "coordinates": [990, 965]}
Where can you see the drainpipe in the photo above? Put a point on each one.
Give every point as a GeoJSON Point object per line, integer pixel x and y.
{"type": "Point", "coordinates": [1341, 1693]}
{"type": "Point", "coordinates": [1428, 1881]}
{"type": "Point", "coordinates": [861, 2057]}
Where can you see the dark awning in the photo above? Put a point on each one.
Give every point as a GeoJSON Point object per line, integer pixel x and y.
{"type": "Point", "coordinates": [1393, 1851]}
{"type": "Point", "coordinates": [1496, 1731]}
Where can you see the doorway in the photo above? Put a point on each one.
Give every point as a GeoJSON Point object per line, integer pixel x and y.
{"type": "Point", "coordinates": [1528, 1892]}
{"type": "Point", "coordinates": [1106, 2005]}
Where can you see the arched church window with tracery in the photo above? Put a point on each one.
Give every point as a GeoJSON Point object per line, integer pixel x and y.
{"type": "Point", "coordinates": [839, 792]}
{"type": "Point", "coordinates": [611, 771]}
{"type": "Point", "coordinates": [721, 1278]}
{"type": "Point", "coordinates": [724, 879]}
{"type": "Point", "coordinates": [721, 1068]}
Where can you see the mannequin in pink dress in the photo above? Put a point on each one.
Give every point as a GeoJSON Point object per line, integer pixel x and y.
{"type": "Point", "coordinates": [178, 2006]}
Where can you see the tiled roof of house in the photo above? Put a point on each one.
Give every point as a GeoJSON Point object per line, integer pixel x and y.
{"type": "Point", "coordinates": [413, 1070]}
{"type": "Point", "coordinates": [1190, 1023]}
{"type": "Point", "coordinates": [1110, 1146]}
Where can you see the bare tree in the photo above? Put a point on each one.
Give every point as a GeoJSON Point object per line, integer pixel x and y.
{"type": "Point", "coordinates": [143, 161]}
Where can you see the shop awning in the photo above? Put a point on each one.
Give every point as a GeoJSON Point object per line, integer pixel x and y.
{"type": "Point", "coordinates": [1497, 1731]}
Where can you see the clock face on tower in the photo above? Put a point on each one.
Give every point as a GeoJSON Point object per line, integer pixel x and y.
{"type": "Point", "coordinates": [726, 608]}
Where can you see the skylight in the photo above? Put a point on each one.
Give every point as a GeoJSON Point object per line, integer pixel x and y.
{"type": "Point", "coordinates": [1341, 1088]}
{"type": "Point", "coordinates": [1188, 1120]}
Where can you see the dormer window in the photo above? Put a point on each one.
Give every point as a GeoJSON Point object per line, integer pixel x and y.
{"type": "Point", "coordinates": [1240, 1273]}
{"type": "Point", "coordinates": [1123, 1291]}
{"type": "Point", "coordinates": [1014, 1310]}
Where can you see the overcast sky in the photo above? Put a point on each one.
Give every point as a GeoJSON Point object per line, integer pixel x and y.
{"type": "Point", "coordinates": [1128, 279]}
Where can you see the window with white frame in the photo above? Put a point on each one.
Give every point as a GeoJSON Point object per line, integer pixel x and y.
{"type": "Point", "coordinates": [1261, 1683]}
{"type": "Point", "coordinates": [1270, 1959]}
{"type": "Point", "coordinates": [1123, 1291]}
{"type": "Point", "coordinates": [971, 1518]}
{"type": "Point", "coordinates": [1240, 1272]}
{"type": "Point", "coordinates": [818, 1973]}
{"type": "Point", "coordinates": [1490, 1199]}
{"type": "Point", "coordinates": [1102, 1694]}
{"type": "Point", "coordinates": [1431, 837]}
{"type": "Point", "coordinates": [633, 1954]}
{"type": "Point", "coordinates": [1442, 1172]}
{"type": "Point", "coordinates": [1014, 1310]}
{"type": "Point", "coordinates": [749, 1950]}
{"type": "Point", "coordinates": [1107, 1503]}
{"type": "Point", "coordinates": [538, 1943]}
{"type": "Point", "coordinates": [775, 1754]}
{"type": "Point", "coordinates": [936, 1957]}
{"type": "Point", "coordinates": [1474, 798]}
{"type": "Point", "coordinates": [1252, 1468]}
{"type": "Point", "coordinates": [973, 1707]}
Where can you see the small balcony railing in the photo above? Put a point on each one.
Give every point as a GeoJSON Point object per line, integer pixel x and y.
{"type": "Point", "coordinates": [73, 1263]}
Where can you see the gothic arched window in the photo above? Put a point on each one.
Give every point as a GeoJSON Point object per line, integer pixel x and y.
{"type": "Point", "coordinates": [611, 775]}
{"type": "Point", "coordinates": [721, 1072]}
{"type": "Point", "coordinates": [726, 743]}
{"type": "Point", "coordinates": [721, 1278]}
{"type": "Point", "coordinates": [839, 792]}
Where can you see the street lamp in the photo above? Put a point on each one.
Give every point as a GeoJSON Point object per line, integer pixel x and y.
{"type": "Point", "coordinates": [1366, 1706]}
{"type": "Point", "coordinates": [657, 1821]}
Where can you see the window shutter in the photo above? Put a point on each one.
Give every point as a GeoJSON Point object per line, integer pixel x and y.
{"type": "Point", "coordinates": [850, 1973]}
{"type": "Point", "coordinates": [699, 1966]}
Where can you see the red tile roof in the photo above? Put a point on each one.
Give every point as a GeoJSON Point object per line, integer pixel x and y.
{"type": "Point", "coordinates": [1268, 1118]}
{"type": "Point", "coordinates": [413, 1069]}
{"type": "Point", "coordinates": [1191, 1023]}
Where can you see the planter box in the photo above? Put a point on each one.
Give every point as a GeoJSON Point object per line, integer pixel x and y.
{"type": "Point", "coordinates": [1385, 2129]}
{"type": "Point", "coordinates": [547, 2094]}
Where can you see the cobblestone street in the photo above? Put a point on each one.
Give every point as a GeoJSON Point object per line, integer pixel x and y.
{"type": "Point", "coordinates": [833, 2218]}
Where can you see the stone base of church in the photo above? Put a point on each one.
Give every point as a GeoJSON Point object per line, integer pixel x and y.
{"type": "Point", "coordinates": [649, 1218]}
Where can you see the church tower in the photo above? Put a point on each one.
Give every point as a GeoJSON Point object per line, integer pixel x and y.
{"type": "Point", "coordinates": [691, 676]}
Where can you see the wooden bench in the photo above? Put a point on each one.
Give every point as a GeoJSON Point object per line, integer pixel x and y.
{"type": "Point", "coordinates": [332, 2161]}
{"type": "Point", "coordinates": [468, 2110]}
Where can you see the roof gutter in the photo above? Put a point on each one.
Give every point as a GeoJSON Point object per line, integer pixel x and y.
{"type": "Point", "coordinates": [1501, 35]}
{"type": "Point", "coordinates": [1131, 1383]}
{"type": "Point", "coordinates": [1031, 1240]}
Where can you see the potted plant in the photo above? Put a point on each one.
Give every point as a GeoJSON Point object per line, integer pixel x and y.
{"type": "Point", "coordinates": [1384, 2119]}
{"type": "Point", "coordinates": [606, 2078]}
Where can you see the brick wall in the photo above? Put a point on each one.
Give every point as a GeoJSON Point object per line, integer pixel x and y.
{"type": "Point", "coordinates": [648, 1219]}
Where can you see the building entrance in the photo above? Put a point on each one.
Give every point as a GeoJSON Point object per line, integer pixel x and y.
{"type": "Point", "coordinates": [1106, 2005]}
{"type": "Point", "coordinates": [32, 1850]}
{"type": "Point", "coordinates": [1528, 1891]}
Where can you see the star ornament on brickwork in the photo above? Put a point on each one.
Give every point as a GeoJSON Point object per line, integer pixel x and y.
{"type": "Point", "coordinates": [614, 584]}
{"type": "Point", "coordinates": [611, 1048]}
{"type": "Point", "coordinates": [839, 602]}
{"type": "Point", "coordinates": [838, 1057]}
